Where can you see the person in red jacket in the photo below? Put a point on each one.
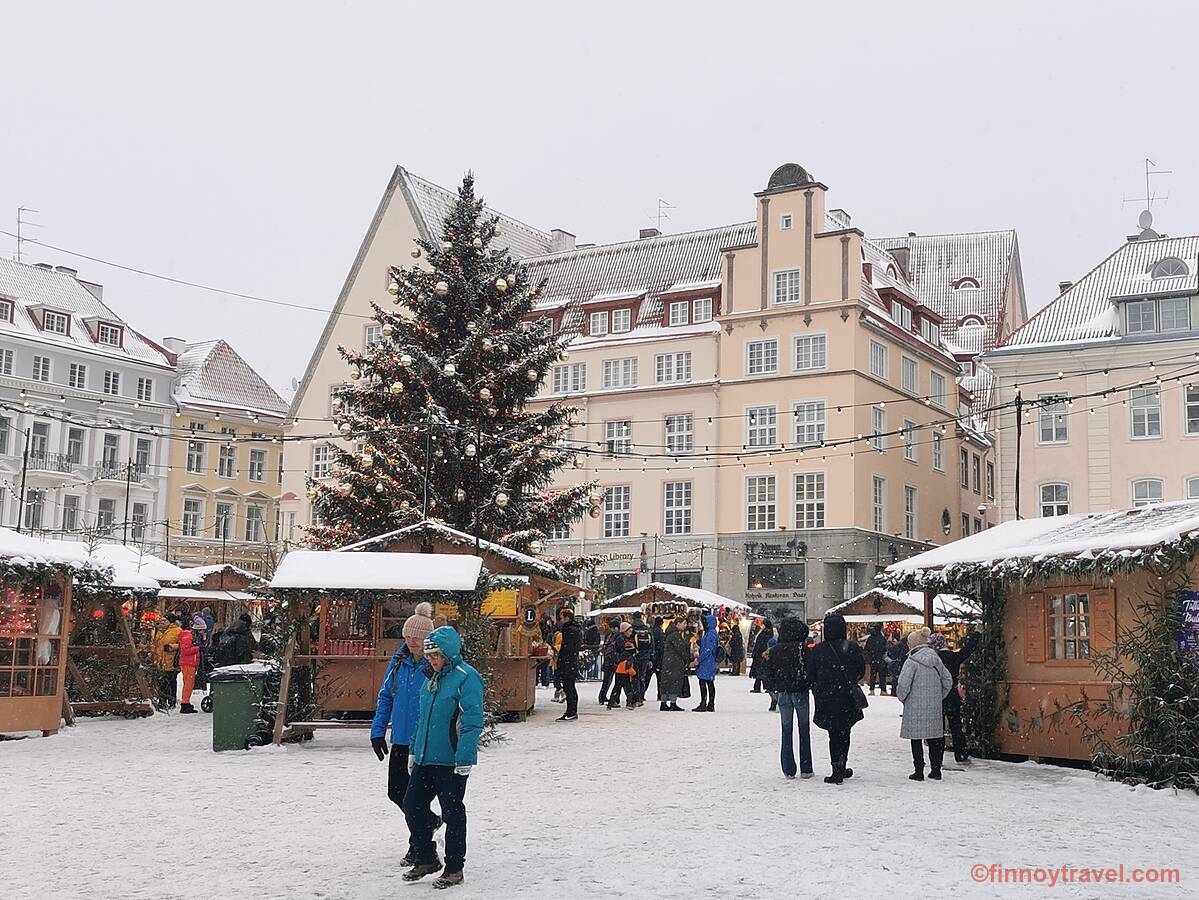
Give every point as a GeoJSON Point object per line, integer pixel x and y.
{"type": "Point", "coordinates": [189, 661]}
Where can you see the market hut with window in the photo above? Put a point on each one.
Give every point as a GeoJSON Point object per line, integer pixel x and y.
{"type": "Point", "coordinates": [1054, 594]}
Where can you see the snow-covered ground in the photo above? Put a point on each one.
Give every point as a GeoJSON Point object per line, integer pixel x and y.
{"type": "Point", "coordinates": [619, 804]}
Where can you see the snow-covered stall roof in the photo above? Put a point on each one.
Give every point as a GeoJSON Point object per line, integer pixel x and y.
{"type": "Point", "coordinates": [1109, 541]}
{"type": "Point", "coordinates": [73, 554]}
{"type": "Point", "coordinates": [194, 575]}
{"type": "Point", "coordinates": [693, 596]}
{"type": "Point", "coordinates": [459, 539]}
{"type": "Point", "coordinates": [366, 571]}
{"type": "Point", "coordinates": [134, 559]}
{"type": "Point", "coordinates": [946, 607]}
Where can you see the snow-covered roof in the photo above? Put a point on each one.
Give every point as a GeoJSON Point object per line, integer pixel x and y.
{"type": "Point", "coordinates": [693, 596]}
{"type": "Point", "coordinates": [460, 539]}
{"type": "Point", "coordinates": [75, 555]}
{"type": "Point", "coordinates": [936, 265]}
{"type": "Point", "coordinates": [366, 571]}
{"type": "Point", "coordinates": [193, 575]}
{"type": "Point", "coordinates": [59, 290]}
{"type": "Point", "coordinates": [213, 374]}
{"type": "Point", "coordinates": [183, 593]}
{"type": "Point", "coordinates": [946, 607]}
{"type": "Point", "coordinates": [1097, 541]}
{"type": "Point", "coordinates": [431, 204]}
{"type": "Point", "coordinates": [133, 559]}
{"type": "Point", "coordinates": [1086, 311]}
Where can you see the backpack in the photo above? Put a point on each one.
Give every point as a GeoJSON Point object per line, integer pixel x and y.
{"type": "Point", "coordinates": [228, 648]}
{"type": "Point", "coordinates": [721, 653]}
{"type": "Point", "coordinates": [643, 640]}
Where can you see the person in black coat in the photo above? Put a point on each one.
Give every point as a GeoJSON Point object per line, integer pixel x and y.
{"type": "Point", "coordinates": [786, 670]}
{"type": "Point", "coordinates": [876, 652]}
{"type": "Point", "coordinates": [610, 657]}
{"type": "Point", "coordinates": [897, 654]}
{"type": "Point", "coordinates": [761, 642]}
{"type": "Point", "coordinates": [835, 666]}
{"type": "Point", "coordinates": [952, 704]}
{"type": "Point", "coordinates": [736, 650]}
{"type": "Point", "coordinates": [568, 662]}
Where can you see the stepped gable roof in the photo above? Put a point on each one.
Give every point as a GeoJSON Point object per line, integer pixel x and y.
{"type": "Point", "coordinates": [58, 289]}
{"type": "Point", "coordinates": [212, 373]}
{"type": "Point", "coordinates": [1086, 311]}
{"type": "Point", "coordinates": [431, 204]}
{"type": "Point", "coordinates": [937, 263]}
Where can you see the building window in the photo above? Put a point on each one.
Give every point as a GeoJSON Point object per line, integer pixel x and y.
{"type": "Point", "coordinates": [1152, 316]}
{"type": "Point", "coordinates": [74, 445]}
{"type": "Point", "coordinates": [39, 444]}
{"type": "Point", "coordinates": [878, 360]}
{"type": "Point", "coordinates": [1170, 267]}
{"type": "Point", "coordinates": [909, 511]}
{"type": "Point", "coordinates": [909, 440]}
{"type": "Point", "coordinates": [106, 514]}
{"type": "Point", "coordinates": [678, 507]}
{"type": "Point", "coordinates": [977, 468]}
{"type": "Point", "coordinates": [255, 524]}
{"type": "Point", "coordinates": [197, 451]}
{"type": "Point", "coordinates": [701, 309]}
{"type": "Point", "coordinates": [1191, 401]}
{"type": "Point", "coordinates": [1055, 499]}
{"type": "Point", "coordinates": [787, 286]}
{"type": "Point", "coordinates": [223, 522]}
{"type": "Point", "coordinates": [1052, 420]}
{"type": "Point", "coordinates": [227, 456]}
{"type": "Point", "coordinates": [570, 379]}
{"type": "Point", "coordinates": [1070, 626]}
{"type": "Point", "coordinates": [809, 500]}
{"type": "Point", "coordinates": [77, 376]}
{"type": "Point", "coordinates": [560, 531]}
{"type": "Point", "coordinates": [910, 375]}
{"type": "Point", "coordinates": [374, 335]}
{"type": "Point", "coordinates": [930, 331]}
{"type": "Point", "coordinates": [759, 503]}
{"type": "Point", "coordinates": [964, 465]}
{"type": "Point", "coordinates": [322, 461]}
{"type": "Point", "coordinates": [878, 502]}
{"type": "Point", "coordinates": [5, 310]}
{"type": "Point", "coordinates": [965, 525]}
{"type": "Point", "coordinates": [141, 457]}
{"type": "Point", "coordinates": [70, 513]}
{"type": "Point", "coordinates": [112, 383]}
{"type": "Point", "coordinates": [110, 453]}
{"type": "Point", "coordinates": [679, 433]}
{"type": "Point", "coordinates": [762, 357]}
{"type": "Point", "coordinates": [35, 507]}
{"type": "Point", "coordinates": [811, 352]}
{"type": "Point", "coordinates": [810, 422]}
{"type": "Point", "coordinates": [990, 481]}
{"type": "Point", "coordinates": [791, 576]}
{"type": "Point", "coordinates": [5, 427]}
{"type": "Point", "coordinates": [620, 372]}
{"type": "Point", "coordinates": [1145, 407]}
{"type": "Point", "coordinates": [6, 359]}
{"type": "Point", "coordinates": [145, 389]}
{"type": "Point", "coordinates": [1193, 488]}
{"type": "Point", "coordinates": [598, 323]}
{"type": "Point", "coordinates": [878, 428]}
{"type": "Point", "coordinates": [193, 515]}
{"type": "Point", "coordinates": [622, 320]}
{"type": "Point", "coordinates": [761, 426]}
{"type": "Point", "coordinates": [786, 221]}
{"type": "Point", "coordinates": [618, 437]}
{"type": "Point", "coordinates": [678, 312]}
{"type": "Point", "coordinates": [1147, 491]}
{"type": "Point", "coordinates": [903, 316]}
{"type": "Point", "coordinates": [258, 465]}
{"type": "Point", "coordinates": [936, 389]}
{"type": "Point", "coordinates": [672, 367]}
{"type": "Point", "coordinates": [137, 521]}
{"type": "Point", "coordinates": [938, 452]}
{"type": "Point", "coordinates": [108, 334]}
{"type": "Point", "coordinates": [978, 525]}
{"type": "Point", "coordinates": [55, 322]}
{"type": "Point", "coordinates": [41, 368]}
{"type": "Point", "coordinates": [616, 511]}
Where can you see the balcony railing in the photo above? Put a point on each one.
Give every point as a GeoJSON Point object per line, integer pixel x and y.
{"type": "Point", "coordinates": [51, 462]}
{"type": "Point", "coordinates": [119, 471]}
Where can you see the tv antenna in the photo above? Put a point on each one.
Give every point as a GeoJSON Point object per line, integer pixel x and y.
{"type": "Point", "coordinates": [21, 223]}
{"type": "Point", "coordinates": [661, 214]}
{"type": "Point", "coordinates": [1146, 218]}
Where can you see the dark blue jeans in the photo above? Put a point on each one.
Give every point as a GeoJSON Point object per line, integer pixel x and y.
{"type": "Point", "coordinates": [795, 706]}
{"type": "Point", "coordinates": [426, 783]}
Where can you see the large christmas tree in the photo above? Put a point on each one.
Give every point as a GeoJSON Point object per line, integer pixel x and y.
{"type": "Point", "coordinates": [434, 420]}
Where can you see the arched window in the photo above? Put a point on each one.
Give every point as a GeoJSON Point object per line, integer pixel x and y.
{"type": "Point", "coordinates": [892, 272]}
{"type": "Point", "coordinates": [1170, 267]}
{"type": "Point", "coordinates": [1147, 491]}
{"type": "Point", "coordinates": [1055, 499]}
{"type": "Point", "coordinates": [965, 321]}
{"type": "Point", "coordinates": [966, 284]}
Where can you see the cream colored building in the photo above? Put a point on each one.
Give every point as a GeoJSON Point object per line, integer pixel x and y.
{"type": "Point", "coordinates": [1119, 426]}
{"type": "Point", "coordinates": [226, 469]}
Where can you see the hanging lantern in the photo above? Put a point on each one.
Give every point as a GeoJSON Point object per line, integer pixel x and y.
{"type": "Point", "coordinates": [471, 450]}
{"type": "Point", "coordinates": [449, 369]}
{"type": "Point", "coordinates": [405, 360]}
{"type": "Point", "coordinates": [397, 387]}
{"type": "Point", "coordinates": [355, 374]}
{"type": "Point", "coordinates": [441, 289]}
{"type": "Point", "coordinates": [415, 252]}
{"type": "Point", "coordinates": [501, 285]}
{"type": "Point", "coordinates": [310, 493]}
{"type": "Point", "coordinates": [501, 499]}
{"type": "Point", "coordinates": [484, 394]}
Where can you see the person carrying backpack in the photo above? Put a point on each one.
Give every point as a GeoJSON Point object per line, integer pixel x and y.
{"type": "Point", "coordinates": [236, 644]}
{"type": "Point", "coordinates": [835, 666]}
{"type": "Point", "coordinates": [786, 672]}
{"type": "Point", "coordinates": [643, 641]}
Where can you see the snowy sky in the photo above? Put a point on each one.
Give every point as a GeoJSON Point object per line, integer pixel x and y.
{"type": "Point", "coordinates": [245, 145]}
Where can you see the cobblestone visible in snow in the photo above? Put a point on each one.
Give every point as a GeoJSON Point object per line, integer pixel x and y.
{"type": "Point", "coordinates": [637, 804]}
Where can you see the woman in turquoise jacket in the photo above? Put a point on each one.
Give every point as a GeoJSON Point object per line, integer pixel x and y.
{"type": "Point", "coordinates": [443, 751]}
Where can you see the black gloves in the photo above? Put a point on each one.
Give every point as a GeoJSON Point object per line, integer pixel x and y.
{"type": "Point", "coordinates": [379, 745]}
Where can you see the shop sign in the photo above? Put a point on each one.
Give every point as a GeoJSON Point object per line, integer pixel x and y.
{"type": "Point", "coordinates": [1188, 632]}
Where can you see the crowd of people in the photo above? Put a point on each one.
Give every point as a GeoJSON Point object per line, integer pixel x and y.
{"type": "Point", "coordinates": [191, 646]}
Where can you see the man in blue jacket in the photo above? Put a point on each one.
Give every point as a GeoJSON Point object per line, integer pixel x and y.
{"type": "Point", "coordinates": [399, 706]}
{"type": "Point", "coordinates": [442, 753]}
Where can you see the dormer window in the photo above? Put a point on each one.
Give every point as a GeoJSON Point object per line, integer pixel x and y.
{"type": "Point", "coordinates": [622, 320]}
{"type": "Point", "coordinates": [701, 310]}
{"type": "Point", "coordinates": [967, 284]}
{"type": "Point", "coordinates": [903, 315]}
{"type": "Point", "coordinates": [56, 322]}
{"type": "Point", "coordinates": [6, 310]}
{"type": "Point", "coordinates": [1170, 267]}
{"type": "Point", "coordinates": [598, 323]}
{"type": "Point", "coordinates": [679, 312]}
{"type": "Point", "coordinates": [967, 321]}
{"type": "Point", "coordinates": [892, 272]}
{"type": "Point", "coordinates": [1153, 316]}
{"type": "Point", "coordinates": [109, 334]}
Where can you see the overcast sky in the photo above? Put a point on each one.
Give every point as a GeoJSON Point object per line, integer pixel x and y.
{"type": "Point", "coordinates": [245, 145]}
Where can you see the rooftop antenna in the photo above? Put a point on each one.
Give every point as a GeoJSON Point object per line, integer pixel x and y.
{"type": "Point", "coordinates": [21, 223]}
{"type": "Point", "coordinates": [1145, 220]}
{"type": "Point", "coordinates": [662, 214]}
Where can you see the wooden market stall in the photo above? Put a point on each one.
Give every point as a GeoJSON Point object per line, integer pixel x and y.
{"type": "Point", "coordinates": [1053, 594]}
{"type": "Point", "coordinates": [903, 611]}
{"type": "Point", "coordinates": [225, 590]}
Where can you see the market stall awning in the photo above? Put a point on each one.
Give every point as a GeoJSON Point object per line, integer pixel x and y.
{"type": "Point", "coordinates": [690, 595]}
{"type": "Point", "coordinates": [178, 593]}
{"type": "Point", "coordinates": [366, 571]}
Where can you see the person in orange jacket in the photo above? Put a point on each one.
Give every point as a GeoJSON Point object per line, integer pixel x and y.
{"type": "Point", "coordinates": [164, 655]}
{"type": "Point", "coordinates": [189, 662]}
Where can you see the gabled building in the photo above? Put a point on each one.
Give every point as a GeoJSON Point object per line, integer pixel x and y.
{"type": "Point", "coordinates": [1124, 335]}
{"type": "Point", "coordinates": [226, 463]}
{"type": "Point", "coordinates": [89, 397]}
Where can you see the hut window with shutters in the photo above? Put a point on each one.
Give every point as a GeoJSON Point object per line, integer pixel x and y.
{"type": "Point", "coordinates": [1070, 625]}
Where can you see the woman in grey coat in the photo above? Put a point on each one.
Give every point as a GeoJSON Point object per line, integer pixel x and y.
{"type": "Point", "coordinates": [923, 683]}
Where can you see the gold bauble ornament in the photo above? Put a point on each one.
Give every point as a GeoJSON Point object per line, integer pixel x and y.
{"type": "Point", "coordinates": [379, 487]}
{"type": "Point", "coordinates": [310, 493]}
{"type": "Point", "coordinates": [446, 245]}
{"type": "Point", "coordinates": [531, 374]}
{"type": "Point", "coordinates": [595, 512]}
{"type": "Point", "coordinates": [503, 348]}
{"type": "Point", "coordinates": [488, 344]}
{"type": "Point", "coordinates": [511, 279]}
{"type": "Point", "coordinates": [439, 453]}
{"type": "Point", "coordinates": [345, 427]}
{"type": "Point", "coordinates": [535, 547]}
{"type": "Point", "coordinates": [477, 243]}
{"type": "Point", "coordinates": [388, 330]}
{"type": "Point", "coordinates": [393, 288]}
{"type": "Point", "coordinates": [405, 360]}
{"type": "Point", "coordinates": [367, 460]}
{"type": "Point", "coordinates": [415, 252]}
{"type": "Point", "coordinates": [501, 285]}
{"type": "Point", "coordinates": [492, 411]}
{"type": "Point", "coordinates": [564, 356]}
{"type": "Point", "coordinates": [404, 504]}
{"type": "Point", "coordinates": [441, 289]}
{"type": "Point", "coordinates": [397, 387]}
{"type": "Point", "coordinates": [355, 374]}
{"type": "Point", "coordinates": [471, 450]}
{"type": "Point", "coordinates": [337, 402]}
{"type": "Point", "coordinates": [501, 499]}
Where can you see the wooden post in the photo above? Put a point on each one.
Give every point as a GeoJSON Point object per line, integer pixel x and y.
{"type": "Point", "coordinates": [928, 607]}
{"type": "Point", "coordinates": [284, 687]}
{"type": "Point", "coordinates": [68, 715]}
{"type": "Point", "coordinates": [138, 675]}
{"type": "Point", "coordinates": [80, 682]}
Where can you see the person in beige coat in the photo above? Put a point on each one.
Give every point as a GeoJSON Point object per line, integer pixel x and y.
{"type": "Point", "coordinates": [923, 683]}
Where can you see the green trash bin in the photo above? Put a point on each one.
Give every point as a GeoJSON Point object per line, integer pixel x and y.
{"type": "Point", "coordinates": [236, 701]}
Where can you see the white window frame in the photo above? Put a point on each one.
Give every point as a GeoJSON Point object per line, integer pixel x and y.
{"type": "Point", "coordinates": [1176, 304]}
{"type": "Point", "coordinates": [1192, 487]}
{"type": "Point", "coordinates": [909, 440]}
{"type": "Point", "coordinates": [255, 523]}
{"type": "Point", "coordinates": [767, 351]}
{"type": "Point", "coordinates": [77, 376]}
{"type": "Point", "coordinates": [62, 322]}
{"type": "Point", "coordinates": [112, 383]}
{"type": "Point", "coordinates": [620, 373]}
{"type": "Point", "coordinates": [938, 451]}
{"type": "Point", "coordinates": [678, 312]}
{"type": "Point", "coordinates": [618, 437]}
{"type": "Point", "coordinates": [761, 502]}
{"type": "Point", "coordinates": [113, 331]}
{"type": "Point", "coordinates": [70, 512]}
{"type": "Point", "coordinates": [570, 378]}
{"type": "Point", "coordinates": [145, 390]}
{"type": "Point", "coordinates": [257, 469]}
{"type": "Point", "coordinates": [1145, 413]}
{"type": "Point", "coordinates": [786, 221]}
{"type": "Point", "coordinates": [41, 369]}
{"type": "Point", "coordinates": [622, 320]}
{"type": "Point", "coordinates": [597, 323]}
{"type": "Point", "coordinates": [224, 526]}
{"type": "Point", "coordinates": [909, 374]}
{"type": "Point", "coordinates": [1051, 410]}
{"type": "Point", "coordinates": [191, 524]}
{"type": "Point", "coordinates": [879, 360]}
{"type": "Point", "coordinates": [990, 479]}
{"type": "Point", "coordinates": [903, 315]}
{"type": "Point", "coordinates": [878, 428]}
{"type": "Point", "coordinates": [1058, 503]}
{"type": "Point", "coordinates": [910, 511]}
{"type": "Point", "coordinates": [372, 335]}
{"type": "Point", "coordinates": [676, 507]}
{"type": "Point", "coordinates": [701, 310]}
{"type": "Point", "coordinates": [1148, 483]}
{"type": "Point", "coordinates": [787, 284]}
{"type": "Point", "coordinates": [322, 461]}
{"type": "Point", "coordinates": [761, 426]}
{"type": "Point", "coordinates": [680, 432]}
{"type": "Point", "coordinates": [937, 388]}
{"type": "Point", "coordinates": [672, 368]}
{"type": "Point", "coordinates": [810, 420]}
{"type": "Point", "coordinates": [878, 503]}
{"type": "Point", "coordinates": [6, 361]}
{"type": "Point", "coordinates": [226, 462]}
{"type": "Point", "coordinates": [617, 510]}
{"type": "Point", "coordinates": [1190, 409]}
{"type": "Point", "coordinates": [815, 353]}
{"type": "Point", "coordinates": [810, 498]}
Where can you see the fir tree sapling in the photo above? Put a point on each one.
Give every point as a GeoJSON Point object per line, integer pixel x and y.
{"type": "Point", "coordinates": [435, 418]}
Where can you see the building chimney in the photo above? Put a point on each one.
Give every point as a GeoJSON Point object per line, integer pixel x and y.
{"type": "Point", "coordinates": [561, 241]}
{"type": "Point", "coordinates": [96, 290]}
{"type": "Point", "coordinates": [911, 234]}
{"type": "Point", "coordinates": [66, 270]}
{"type": "Point", "coordinates": [649, 233]}
{"type": "Point", "coordinates": [1063, 286]}
{"type": "Point", "coordinates": [840, 216]}
{"type": "Point", "coordinates": [174, 344]}
{"type": "Point", "coordinates": [46, 266]}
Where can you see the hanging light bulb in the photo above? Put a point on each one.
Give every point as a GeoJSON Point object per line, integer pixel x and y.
{"type": "Point", "coordinates": [449, 369]}
{"type": "Point", "coordinates": [471, 450]}
{"type": "Point", "coordinates": [405, 360]}
{"type": "Point", "coordinates": [484, 394]}
{"type": "Point", "coordinates": [501, 499]}
{"type": "Point", "coordinates": [441, 289]}
{"type": "Point", "coordinates": [397, 387]}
